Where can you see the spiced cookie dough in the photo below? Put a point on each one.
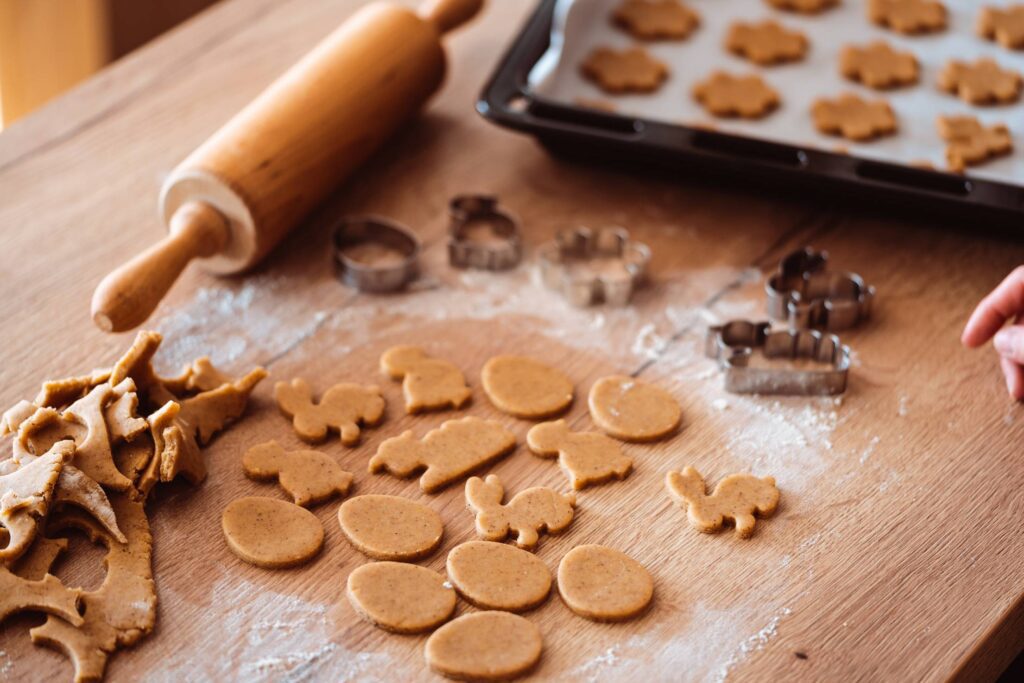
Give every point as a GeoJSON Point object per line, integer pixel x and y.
{"type": "Point", "coordinates": [803, 6]}
{"type": "Point", "coordinates": [484, 646]}
{"type": "Point", "coordinates": [492, 575]}
{"type": "Point", "coordinates": [726, 95]}
{"type": "Point", "coordinates": [738, 497]}
{"type": "Point", "coordinates": [1005, 25]}
{"type": "Point", "coordinates": [968, 142]}
{"type": "Point", "coordinates": [427, 383]}
{"type": "Point", "coordinates": [656, 19]}
{"type": "Point", "coordinates": [342, 409]}
{"type": "Point", "coordinates": [632, 410]}
{"type": "Point", "coordinates": [390, 527]}
{"type": "Point", "coordinates": [271, 533]}
{"type": "Point", "coordinates": [908, 16]}
{"type": "Point", "coordinates": [587, 458]}
{"type": "Point", "coordinates": [854, 118]}
{"type": "Point", "coordinates": [309, 477]}
{"type": "Point", "coordinates": [766, 42]}
{"type": "Point", "coordinates": [877, 65]}
{"type": "Point", "coordinates": [603, 584]}
{"type": "Point", "coordinates": [632, 70]}
{"type": "Point", "coordinates": [529, 513]}
{"type": "Point", "coordinates": [400, 597]}
{"type": "Point", "coordinates": [524, 387]}
{"type": "Point", "coordinates": [980, 82]}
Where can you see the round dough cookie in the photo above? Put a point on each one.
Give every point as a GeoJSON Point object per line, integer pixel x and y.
{"type": "Point", "coordinates": [390, 527]}
{"type": "Point", "coordinates": [631, 410]}
{"type": "Point", "coordinates": [603, 584]}
{"type": "Point", "coordinates": [498, 576]}
{"type": "Point", "coordinates": [523, 387]}
{"type": "Point", "coordinates": [400, 597]}
{"type": "Point", "coordinates": [271, 533]}
{"type": "Point", "coordinates": [484, 646]}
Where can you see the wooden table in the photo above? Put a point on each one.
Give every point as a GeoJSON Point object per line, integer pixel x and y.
{"type": "Point", "coordinates": [895, 555]}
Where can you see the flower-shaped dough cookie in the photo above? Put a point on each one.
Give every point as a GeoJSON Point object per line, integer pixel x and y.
{"type": "Point", "coordinates": [723, 94]}
{"type": "Point", "coordinates": [854, 118]}
{"type": "Point", "coordinates": [878, 66]}
{"type": "Point", "coordinates": [983, 82]}
{"type": "Point", "coordinates": [767, 42]}
{"type": "Point", "coordinates": [656, 19]}
{"type": "Point", "coordinates": [1003, 25]}
{"type": "Point", "coordinates": [803, 6]}
{"type": "Point", "coordinates": [630, 70]}
{"type": "Point", "coordinates": [908, 16]}
{"type": "Point", "coordinates": [969, 143]}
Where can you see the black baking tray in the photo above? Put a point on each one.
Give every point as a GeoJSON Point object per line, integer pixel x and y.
{"type": "Point", "coordinates": [594, 134]}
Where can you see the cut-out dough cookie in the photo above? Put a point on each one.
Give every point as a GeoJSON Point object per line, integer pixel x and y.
{"type": "Point", "coordinates": [309, 477]}
{"type": "Point", "coordinates": [585, 457]}
{"type": "Point", "coordinates": [968, 142]}
{"type": "Point", "coordinates": [726, 95]}
{"type": "Point", "coordinates": [1005, 25]}
{"type": "Point", "coordinates": [766, 42]}
{"type": "Point", "coordinates": [603, 584]}
{"type": "Point", "coordinates": [738, 497]}
{"type": "Point", "coordinates": [803, 6]}
{"type": "Point", "coordinates": [498, 576]}
{"type": "Point", "coordinates": [484, 646]}
{"type": "Point", "coordinates": [656, 19]}
{"type": "Point", "coordinates": [271, 533]}
{"type": "Point", "coordinates": [529, 512]}
{"type": "Point", "coordinates": [908, 16]}
{"type": "Point", "coordinates": [526, 388]}
{"type": "Point", "coordinates": [427, 383]}
{"type": "Point", "coordinates": [401, 598]}
{"type": "Point", "coordinates": [631, 410]}
{"type": "Point", "coordinates": [632, 70]}
{"type": "Point", "coordinates": [342, 409]}
{"type": "Point", "coordinates": [390, 527]}
{"type": "Point", "coordinates": [877, 65]}
{"type": "Point", "coordinates": [25, 497]}
{"type": "Point", "coordinates": [854, 118]}
{"type": "Point", "coordinates": [447, 453]}
{"type": "Point", "coordinates": [980, 82]}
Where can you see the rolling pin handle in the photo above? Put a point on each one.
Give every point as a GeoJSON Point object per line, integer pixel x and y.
{"type": "Point", "coordinates": [127, 296]}
{"type": "Point", "coordinates": [446, 15]}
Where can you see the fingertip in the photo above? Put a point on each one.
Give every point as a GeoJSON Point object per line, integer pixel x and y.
{"type": "Point", "coordinates": [1014, 375]}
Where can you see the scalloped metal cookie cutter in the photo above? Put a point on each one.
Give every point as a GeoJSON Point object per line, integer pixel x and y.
{"type": "Point", "coordinates": [562, 265]}
{"type": "Point", "coordinates": [501, 253]}
{"type": "Point", "coordinates": [733, 344]}
{"type": "Point", "coordinates": [385, 274]}
{"type": "Point", "coordinates": [808, 296]}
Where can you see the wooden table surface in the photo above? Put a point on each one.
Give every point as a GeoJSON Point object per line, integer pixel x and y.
{"type": "Point", "coordinates": [895, 554]}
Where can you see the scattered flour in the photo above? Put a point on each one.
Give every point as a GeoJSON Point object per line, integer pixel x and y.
{"type": "Point", "coordinates": [870, 449]}
{"type": "Point", "coordinates": [754, 643]}
{"type": "Point", "coordinates": [6, 665]}
{"type": "Point", "coordinates": [901, 409]}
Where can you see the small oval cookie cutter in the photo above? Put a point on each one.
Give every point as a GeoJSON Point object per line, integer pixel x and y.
{"type": "Point", "coordinates": [563, 265]}
{"type": "Point", "coordinates": [385, 275]}
{"type": "Point", "coordinates": [733, 344]}
{"type": "Point", "coordinates": [808, 296]}
{"type": "Point", "coordinates": [501, 253]}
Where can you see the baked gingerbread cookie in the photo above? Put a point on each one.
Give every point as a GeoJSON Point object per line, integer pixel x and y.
{"type": "Point", "coordinates": [1005, 25]}
{"type": "Point", "coordinates": [803, 6]}
{"type": "Point", "coordinates": [633, 410]}
{"type": "Point", "coordinates": [484, 646]}
{"type": "Point", "coordinates": [656, 19]}
{"type": "Point", "coordinates": [493, 575]}
{"type": "Point", "coordinates": [632, 70]}
{"type": "Point", "coordinates": [738, 497]}
{"type": "Point", "coordinates": [969, 143]}
{"type": "Point", "coordinates": [908, 16]}
{"type": "Point", "coordinates": [879, 66]}
{"type": "Point", "coordinates": [427, 383]}
{"type": "Point", "coordinates": [341, 409]}
{"type": "Point", "coordinates": [853, 117]}
{"type": "Point", "coordinates": [603, 584]}
{"type": "Point", "coordinates": [981, 82]}
{"type": "Point", "coordinates": [587, 458]}
{"type": "Point", "coordinates": [526, 388]}
{"type": "Point", "coordinates": [726, 95]}
{"type": "Point", "coordinates": [766, 42]}
{"type": "Point", "coordinates": [400, 597]}
{"type": "Point", "coordinates": [529, 513]}
{"type": "Point", "coordinates": [309, 477]}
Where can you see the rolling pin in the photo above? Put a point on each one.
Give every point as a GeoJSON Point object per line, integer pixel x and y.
{"type": "Point", "coordinates": [237, 196]}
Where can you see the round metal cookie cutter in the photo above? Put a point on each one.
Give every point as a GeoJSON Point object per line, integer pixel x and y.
{"type": "Point", "coordinates": [386, 275]}
{"type": "Point", "coordinates": [501, 253]}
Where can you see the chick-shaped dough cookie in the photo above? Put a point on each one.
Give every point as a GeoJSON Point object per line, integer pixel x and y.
{"type": "Point", "coordinates": [342, 408]}
{"type": "Point", "coordinates": [529, 512]}
{"type": "Point", "coordinates": [427, 383]}
{"type": "Point", "coordinates": [309, 477]}
{"type": "Point", "coordinates": [738, 497]}
{"type": "Point", "coordinates": [585, 457]}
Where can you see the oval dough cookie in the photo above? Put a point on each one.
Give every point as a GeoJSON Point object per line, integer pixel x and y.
{"type": "Point", "coordinates": [390, 527]}
{"type": "Point", "coordinates": [631, 410]}
{"type": "Point", "coordinates": [484, 646]}
{"type": "Point", "coordinates": [271, 533]}
{"type": "Point", "coordinates": [603, 584]}
{"type": "Point", "coordinates": [526, 388]}
{"type": "Point", "coordinates": [498, 576]}
{"type": "Point", "coordinates": [399, 597]}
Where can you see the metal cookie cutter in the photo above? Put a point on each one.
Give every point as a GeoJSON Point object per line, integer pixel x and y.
{"type": "Point", "coordinates": [733, 344]}
{"type": "Point", "coordinates": [499, 253]}
{"type": "Point", "coordinates": [804, 293]}
{"type": "Point", "coordinates": [390, 269]}
{"type": "Point", "coordinates": [572, 264]}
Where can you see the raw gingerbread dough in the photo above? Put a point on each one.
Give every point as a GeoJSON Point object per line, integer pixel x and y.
{"type": "Point", "coordinates": [529, 512]}
{"type": "Point", "coordinates": [767, 42]}
{"type": "Point", "coordinates": [271, 533]}
{"type": "Point", "coordinates": [631, 410]}
{"type": "Point", "coordinates": [492, 575]}
{"type": "Point", "coordinates": [427, 383]}
{"type": "Point", "coordinates": [586, 457]}
{"type": "Point", "coordinates": [981, 82]}
{"type": "Point", "coordinates": [341, 409]}
{"type": "Point", "coordinates": [968, 142]}
{"type": "Point", "coordinates": [400, 597]}
{"type": "Point", "coordinates": [526, 388]}
{"type": "Point", "coordinates": [656, 19]}
{"type": "Point", "coordinates": [603, 584]}
{"type": "Point", "coordinates": [484, 646]}
{"type": "Point", "coordinates": [309, 477]}
{"type": "Point", "coordinates": [47, 595]}
{"type": "Point", "coordinates": [738, 497]}
{"type": "Point", "coordinates": [450, 452]}
{"type": "Point", "coordinates": [908, 16]}
{"type": "Point", "coordinates": [1004, 25]}
{"type": "Point", "coordinates": [854, 118]}
{"type": "Point", "coordinates": [724, 94]}
{"type": "Point", "coordinates": [632, 70]}
{"type": "Point", "coordinates": [390, 527]}
{"type": "Point", "coordinates": [25, 498]}
{"type": "Point", "coordinates": [803, 6]}
{"type": "Point", "coordinates": [877, 65]}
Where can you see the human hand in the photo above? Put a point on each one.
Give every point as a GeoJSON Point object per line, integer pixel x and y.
{"type": "Point", "coordinates": [1005, 302]}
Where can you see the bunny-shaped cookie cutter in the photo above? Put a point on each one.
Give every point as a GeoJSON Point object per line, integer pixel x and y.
{"type": "Point", "coordinates": [501, 253]}
{"type": "Point", "coordinates": [804, 293]}
{"type": "Point", "coordinates": [570, 264]}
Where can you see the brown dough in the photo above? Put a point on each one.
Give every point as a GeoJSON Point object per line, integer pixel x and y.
{"type": "Point", "coordinates": [400, 597]}
{"type": "Point", "coordinates": [981, 82]}
{"type": "Point", "coordinates": [908, 16]}
{"type": "Point", "coordinates": [309, 477]}
{"type": "Point", "coordinates": [427, 383]}
{"type": "Point", "coordinates": [498, 576]}
{"type": "Point", "coordinates": [44, 595]}
{"type": "Point", "coordinates": [803, 6]}
{"type": "Point", "coordinates": [738, 497]}
{"type": "Point", "coordinates": [529, 512]}
{"type": "Point", "coordinates": [632, 410]}
{"type": "Point", "coordinates": [726, 95]}
{"type": "Point", "coordinates": [656, 19]}
{"type": "Point", "coordinates": [74, 487]}
{"type": "Point", "coordinates": [632, 70]}
{"type": "Point", "coordinates": [271, 533]}
{"type": "Point", "coordinates": [766, 42]}
{"type": "Point", "coordinates": [35, 564]}
{"type": "Point", "coordinates": [968, 142]}
{"type": "Point", "coordinates": [25, 497]}
{"type": "Point", "coordinates": [1005, 25]}
{"type": "Point", "coordinates": [60, 393]}
{"type": "Point", "coordinates": [602, 584]}
{"type": "Point", "coordinates": [854, 118]}
{"type": "Point", "coordinates": [484, 646]}
{"type": "Point", "coordinates": [877, 65]}
{"type": "Point", "coordinates": [586, 457]}
{"type": "Point", "coordinates": [208, 412]}
{"type": "Point", "coordinates": [450, 452]}
{"type": "Point", "coordinates": [390, 527]}
{"type": "Point", "coordinates": [342, 409]}
{"type": "Point", "coordinates": [525, 388]}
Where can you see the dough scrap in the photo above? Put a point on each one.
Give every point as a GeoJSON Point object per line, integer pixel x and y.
{"type": "Point", "coordinates": [427, 383]}
{"type": "Point", "coordinates": [498, 576]}
{"type": "Point", "coordinates": [60, 393]}
{"type": "Point", "coordinates": [208, 412]}
{"type": "Point", "coordinates": [877, 65]}
{"type": "Point", "coordinates": [271, 533]}
{"type": "Point", "coordinates": [86, 421]}
{"type": "Point", "coordinates": [908, 16]}
{"type": "Point", "coordinates": [400, 597]}
{"type": "Point", "coordinates": [390, 527]}
{"type": "Point", "coordinates": [632, 70]}
{"type": "Point", "coordinates": [342, 409]}
{"type": "Point", "coordinates": [529, 512]}
{"type": "Point", "coordinates": [738, 497]}
{"type": "Point", "coordinates": [854, 118]}
{"type": "Point", "coordinates": [968, 142]}
{"type": "Point", "coordinates": [656, 19]}
{"type": "Point", "coordinates": [632, 410]}
{"type": "Point", "coordinates": [1005, 25]}
{"type": "Point", "coordinates": [25, 498]}
{"type": "Point", "coordinates": [48, 595]}
{"type": "Point", "coordinates": [803, 6]}
{"type": "Point", "coordinates": [586, 457]}
{"type": "Point", "coordinates": [309, 477]}
{"type": "Point", "coordinates": [603, 584]}
{"type": "Point", "coordinates": [726, 95]}
{"type": "Point", "coordinates": [449, 452]}
{"type": "Point", "coordinates": [35, 564]}
{"type": "Point", "coordinates": [766, 42]}
{"type": "Point", "coordinates": [981, 82]}
{"type": "Point", "coordinates": [75, 487]}
{"type": "Point", "coordinates": [524, 387]}
{"type": "Point", "coordinates": [484, 646]}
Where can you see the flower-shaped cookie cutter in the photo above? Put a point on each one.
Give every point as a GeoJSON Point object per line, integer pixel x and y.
{"type": "Point", "coordinates": [808, 296]}
{"type": "Point", "coordinates": [734, 343]}
{"type": "Point", "coordinates": [396, 266]}
{"type": "Point", "coordinates": [501, 251]}
{"type": "Point", "coordinates": [590, 266]}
